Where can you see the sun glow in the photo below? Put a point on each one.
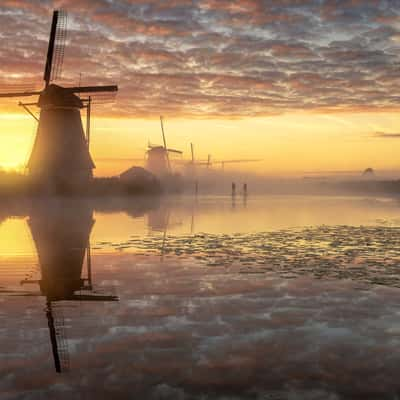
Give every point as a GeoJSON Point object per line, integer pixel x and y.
{"type": "Point", "coordinates": [287, 143]}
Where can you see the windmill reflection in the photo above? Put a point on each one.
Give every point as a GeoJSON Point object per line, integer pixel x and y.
{"type": "Point", "coordinates": [61, 232]}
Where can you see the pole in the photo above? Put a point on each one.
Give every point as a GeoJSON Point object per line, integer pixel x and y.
{"type": "Point", "coordinates": [165, 144]}
{"type": "Point", "coordinates": [89, 266]}
{"type": "Point", "coordinates": [28, 111]}
{"type": "Point", "coordinates": [53, 337]}
{"type": "Point", "coordinates": [88, 110]}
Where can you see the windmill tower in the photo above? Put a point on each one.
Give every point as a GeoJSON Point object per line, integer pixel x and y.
{"type": "Point", "coordinates": [61, 232]}
{"type": "Point", "coordinates": [60, 154]}
{"type": "Point", "coordinates": [158, 161]}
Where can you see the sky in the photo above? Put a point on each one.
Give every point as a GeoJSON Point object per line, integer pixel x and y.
{"type": "Point", "coordinates": [304, 85]}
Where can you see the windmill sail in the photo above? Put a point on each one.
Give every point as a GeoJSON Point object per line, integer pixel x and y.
{"type": "Point", "coordinates": [50, 49]}
{"type": "Point", "coordinates": [60, 39]}
{"type": "Point", "coordinates": [165, 144]}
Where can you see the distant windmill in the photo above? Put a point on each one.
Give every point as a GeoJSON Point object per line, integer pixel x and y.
{"type": "Point", "coordinates": [158, 161]}
{"type": "Point", "coordinates": [209, 162]}
{"type": "Point", "coordinates": [193, 162]}
{"type": "Point", "coordinates": [223, 162]}
{"type": "Point", "coordinates": [60, 152]}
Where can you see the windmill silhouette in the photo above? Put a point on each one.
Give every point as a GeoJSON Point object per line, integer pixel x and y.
{"type": "Point", "coordinates": [158, 161]}
{"type": "Point", "coordinates": [61, 233]}
{"type": "Point", "coordinates": [223, 162]}
{"type": "Point", "coordinates": [193, 162]}
{"type": "Point", "coordinates": [60, 154]}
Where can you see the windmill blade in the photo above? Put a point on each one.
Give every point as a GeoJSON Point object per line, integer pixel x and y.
{"type": "Point", "coordinates": [92, 89]}
{"type": "Point", "coordinates": [189, 162]}
{"type": "Point", "coordinates": [174, 151]}
{"type": "Point", "coordinates": [59, 46]}
{"type": "Point", "coordinates": [236, 161]}
{"type": "Point", "coordinates": [20, 94]}
{"type": "Point", "coordinates": [154, 146]}
{"type": "Point", "coordinates": [163, 133]}
{"type": "Point", "coordinates": [50, 49]}
{"type": "Point", "coordinates": [93, 297]}
{"type": "Point", "coordinates": [165, 143]}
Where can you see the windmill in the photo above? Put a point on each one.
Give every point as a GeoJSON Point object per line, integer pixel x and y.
{"type": "Point", "coordinates": [193, 162]}
{"type": "Point", "coordinates": [60, 153]}
{"type": "Point", "coordinates": [158, 161]}
{"type": "Point", "coordinates": [223, 162]}
{"type": "Point", "coordinates": [61, 235]}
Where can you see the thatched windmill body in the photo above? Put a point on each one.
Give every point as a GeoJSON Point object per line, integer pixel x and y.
{"type": "Point", "coordinates": [60, 153]}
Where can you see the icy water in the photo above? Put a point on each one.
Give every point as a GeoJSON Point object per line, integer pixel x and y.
{"type": "Point", "coordinates": [208, 298]}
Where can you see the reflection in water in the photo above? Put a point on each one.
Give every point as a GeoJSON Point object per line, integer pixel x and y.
{"type": "Point", "coordinates": [61, 235]}
{"type": "Point", "coordinates": [158, 220]}
{"type": "Point", "coordinates": [239, 306]}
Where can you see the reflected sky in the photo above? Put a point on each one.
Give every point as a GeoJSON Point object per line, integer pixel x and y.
{"type": "Point", "coordinates": [186, 215]}
{"type": "Point", "coordinates": [278, 297]}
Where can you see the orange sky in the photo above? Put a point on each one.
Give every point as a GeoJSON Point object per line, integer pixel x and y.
{"type": "Point", "coordinates": [306, 86]}
{"type": "Point", "coordinates": [289, 143]}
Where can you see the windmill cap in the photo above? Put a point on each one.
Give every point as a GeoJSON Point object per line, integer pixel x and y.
{"type": "Point", "coordinates": [58, 96]}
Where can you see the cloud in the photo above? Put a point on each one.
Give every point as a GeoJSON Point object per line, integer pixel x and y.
{"type": "Point", "coordinates": [204, 58]}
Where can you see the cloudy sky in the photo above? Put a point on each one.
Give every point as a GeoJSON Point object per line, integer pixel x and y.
{"type": "Point", "coordinates": [282, 80]}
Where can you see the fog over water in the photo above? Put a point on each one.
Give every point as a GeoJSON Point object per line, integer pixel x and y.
{"type": "Point", "coordinates": [187, 297]}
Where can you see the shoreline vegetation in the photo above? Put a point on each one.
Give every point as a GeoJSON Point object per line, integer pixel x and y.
{"type": "Point", "coordinates": [17, 185]}
{"type": "Point", "coordinates": [14, 184]}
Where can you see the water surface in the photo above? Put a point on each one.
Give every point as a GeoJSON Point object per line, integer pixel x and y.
{"type": "Point", "coordinates": [199, 298]}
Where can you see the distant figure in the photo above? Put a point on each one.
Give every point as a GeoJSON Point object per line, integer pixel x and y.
{"type": "Point", "coordinates": [233, 189]}
{"type": "Point", "coordinates": [245, 189]}
{"type": "Point", "coordinates": [196, 188]}
{"type": "Point", "coordinates": [368, 173]}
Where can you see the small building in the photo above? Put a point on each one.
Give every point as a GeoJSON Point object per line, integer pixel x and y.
{"type": "Point", "coordinates": [139, 176]}
{"type": "Point", "coordinates": [368, 173]}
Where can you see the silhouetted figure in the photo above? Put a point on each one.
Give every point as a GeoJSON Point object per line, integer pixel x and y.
{"type": "Point", "coordinates": [233, 189]}
{"type": "Point", "coordinates": [245, 189]}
